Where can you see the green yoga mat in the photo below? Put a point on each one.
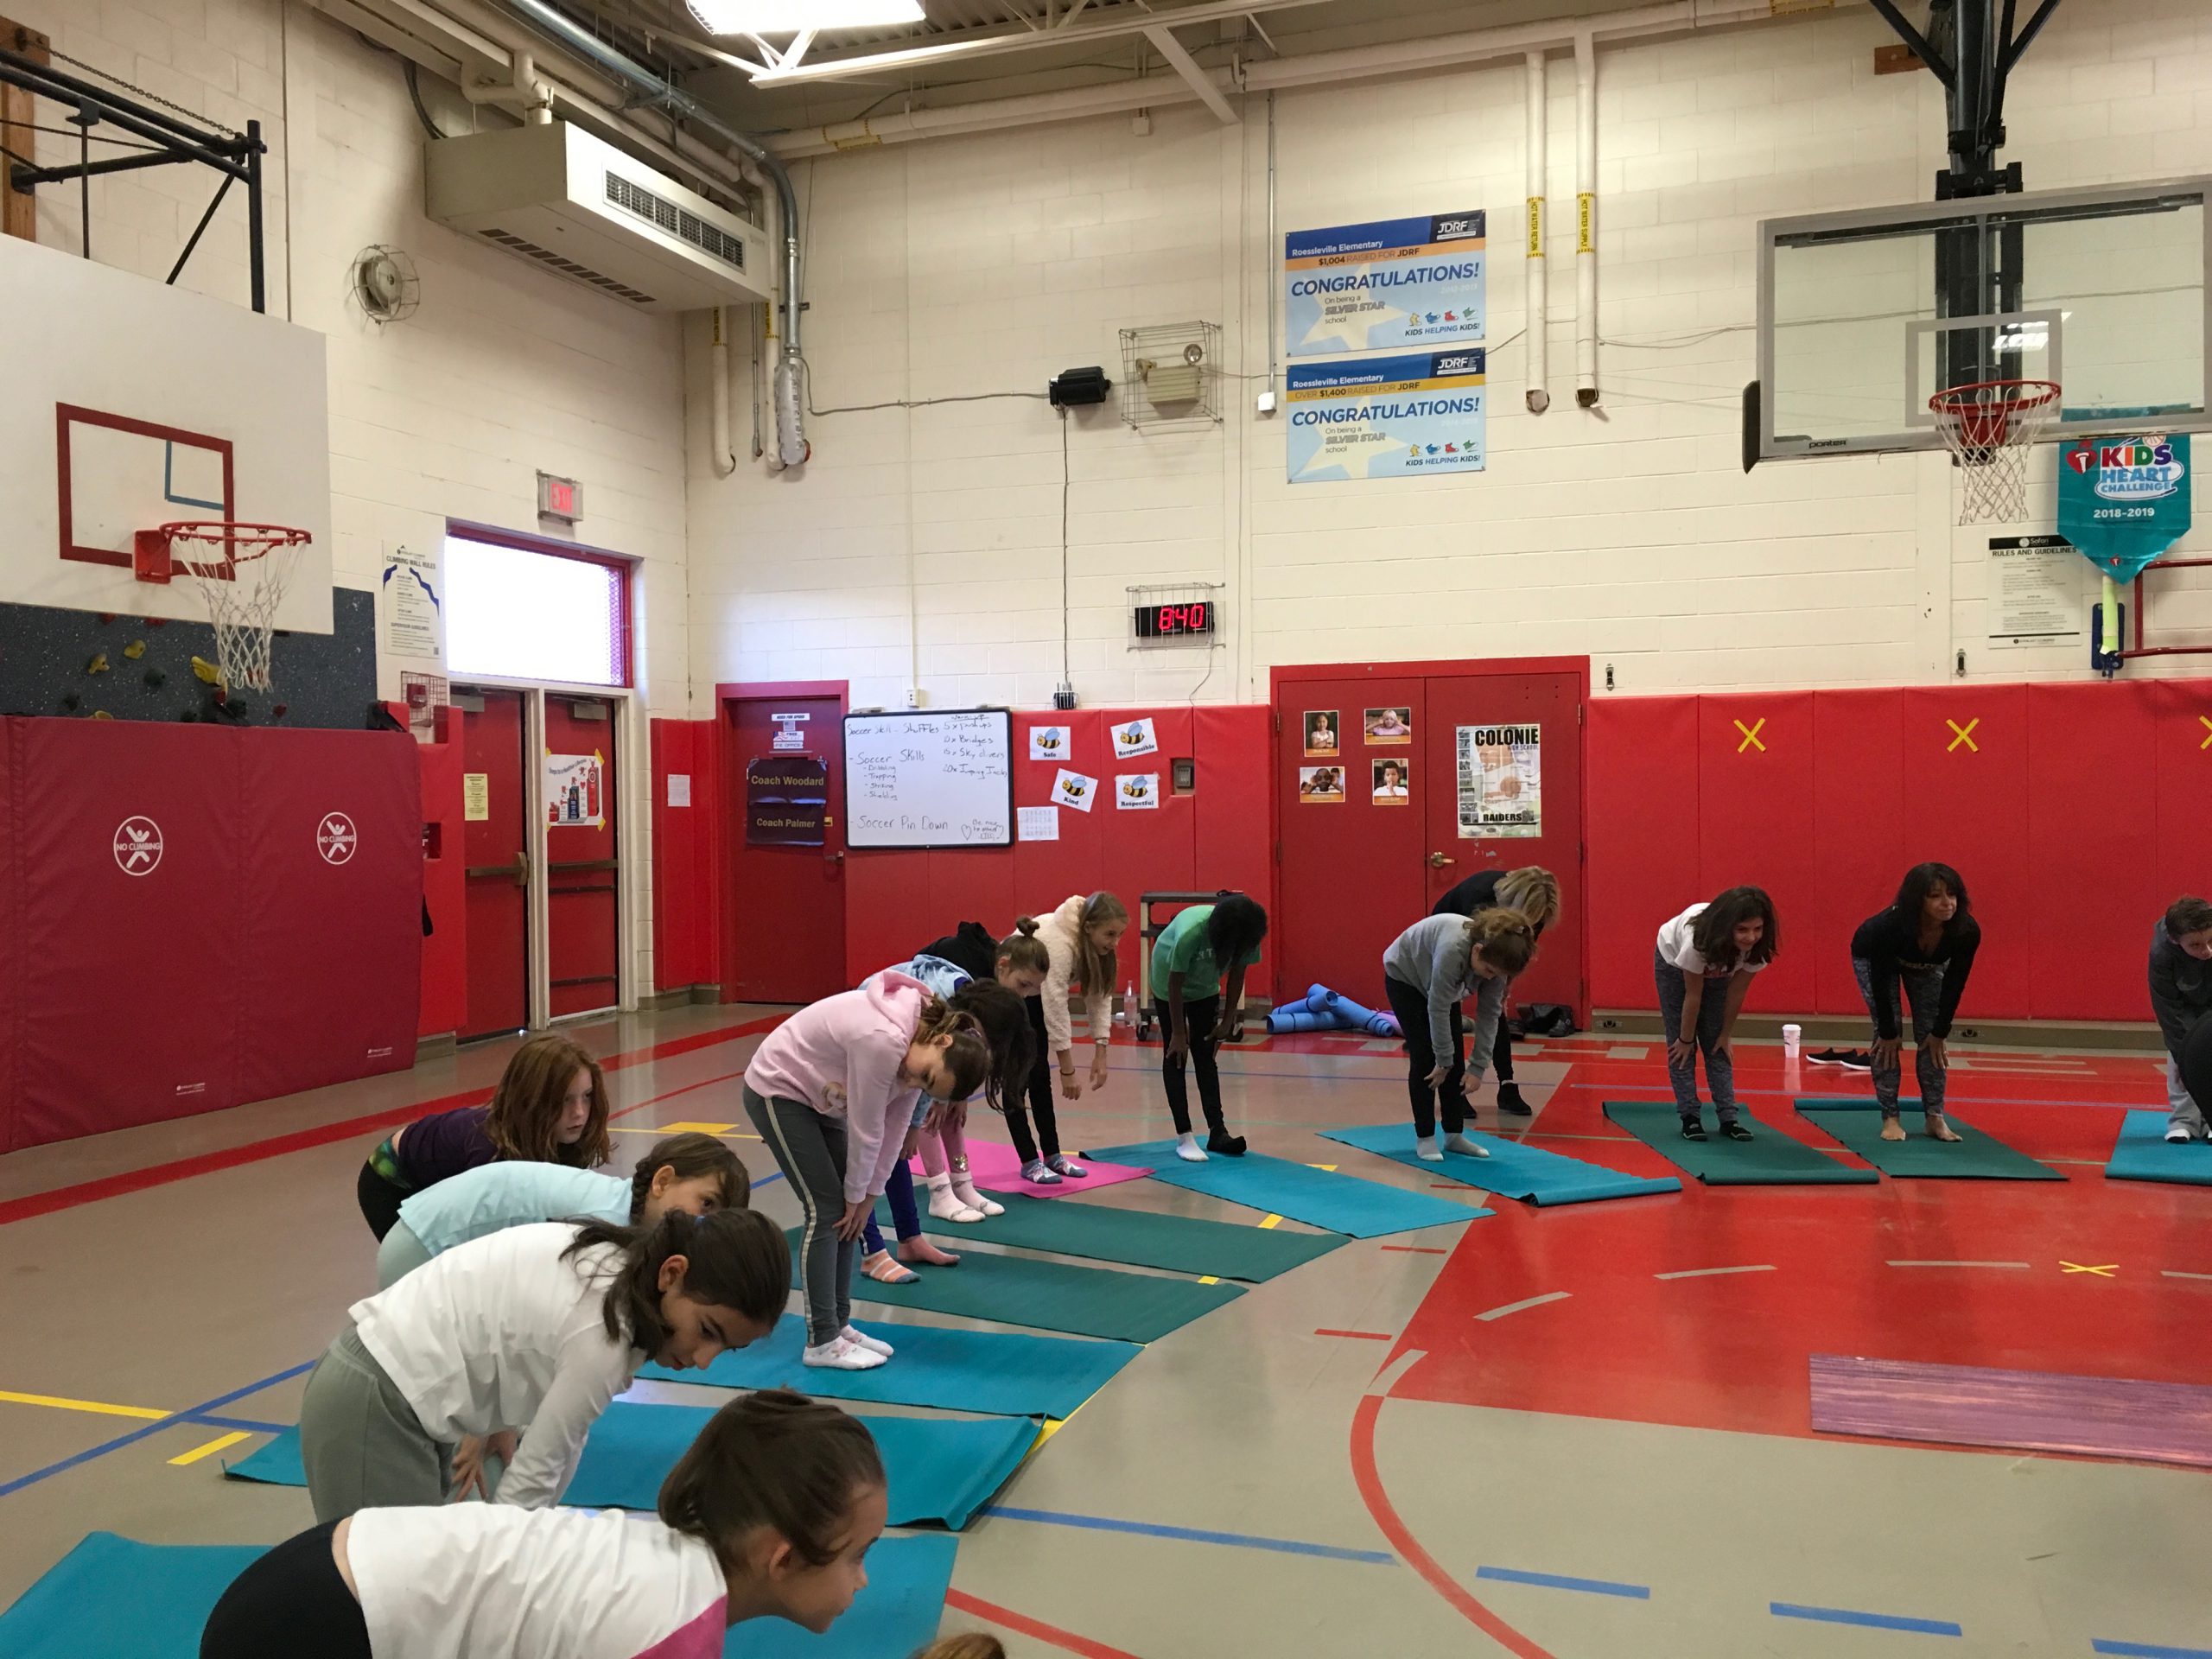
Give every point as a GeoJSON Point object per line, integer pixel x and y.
{"type": "Point", "coordinates": [1140, 1238]}
{"type": "Point", "coordinates": [1769, 1158]}
{"type": "Point", "coordinates": [1973, 1156]}
{"type": "Point", "coordinates": [1048, 1296]}
{"type": "Point", "coordinates": [118, 1599]}
{"type": "Point", "coordinates": [1319, 1197]}
{"type": "Point", "coordinates": [941, 1468]}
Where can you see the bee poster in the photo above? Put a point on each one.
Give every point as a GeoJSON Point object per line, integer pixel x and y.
{"type": "Point", "coordinates": [1048, 743]}
{"type": "Point", "coordinates": [1137, 791]}
{"type": "Point", "coordinates": [1073, 789]}
{"type": "Point", "coordinates": [1135, 737]}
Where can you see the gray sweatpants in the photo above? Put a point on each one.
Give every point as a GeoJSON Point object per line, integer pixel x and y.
{"type": "Point", "coordinates": [2181, 1109]}
{"type": "Point", "coordinates": [1924, 988]}
{"type": "Point", "coordinates": [1711, 1014]}
{"type": "Point", "coordinates": [810, 1149]}
{"type": "Point", "coordinates": [361, 1442]}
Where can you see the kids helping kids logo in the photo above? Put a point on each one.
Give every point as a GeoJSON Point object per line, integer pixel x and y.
{"type": "Point", "coordinates": [2124, 501]}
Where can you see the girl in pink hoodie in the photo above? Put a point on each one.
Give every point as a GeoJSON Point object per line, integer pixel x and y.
{"type": "Point", "coordinates": [831, 1091]}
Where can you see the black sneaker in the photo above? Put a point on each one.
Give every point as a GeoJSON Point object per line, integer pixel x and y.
{"type": "Point", "coordinates": [1228, 1145]}
{"type": "Point", "coordinates": [1510, 1101]}
{"type": "Point", "coordinates": [1735, 1131]}
{"type": "Point", "coordinates": [1693, 1130]}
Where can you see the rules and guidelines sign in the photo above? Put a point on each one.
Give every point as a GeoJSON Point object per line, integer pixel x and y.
{"type": "Point", "coordinates": [1386, 417]}
{"type": "Point", "coordinates": [1388, 283]}
{"type": "Point", "coordinates": [2124, 501]}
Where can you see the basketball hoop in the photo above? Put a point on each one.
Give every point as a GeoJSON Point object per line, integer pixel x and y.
{"type": "Point", "coordinates": [243, 583]}
{"type": "Point", "coordinates": [1989, 428]}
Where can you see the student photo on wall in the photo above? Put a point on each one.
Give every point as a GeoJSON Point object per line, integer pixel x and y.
{"type": "Point", "coordinates": [1321, 785]}
{"type": "Point", "coordinates": [1392, 780]}
{"type": "Point", "coordinates": [1390, 725]}
{"type": "Point", "coordinates": [1320, 732]}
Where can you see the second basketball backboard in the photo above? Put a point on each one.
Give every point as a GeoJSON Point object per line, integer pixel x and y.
{"type": "Point", "coordinates": [1866, 315]}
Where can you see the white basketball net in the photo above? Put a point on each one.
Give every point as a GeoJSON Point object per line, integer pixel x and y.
{"type": "Point", "coordinates": [1990, 429]}
{"type": "Point", "coordinates": [259, 559]}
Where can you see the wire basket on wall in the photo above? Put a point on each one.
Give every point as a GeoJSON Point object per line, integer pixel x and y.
{"type": "Point", "coordinates": [1171, 374]}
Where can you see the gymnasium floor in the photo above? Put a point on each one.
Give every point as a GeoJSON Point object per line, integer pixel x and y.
{"type": "Point", "coordinates": [1548, 1432]}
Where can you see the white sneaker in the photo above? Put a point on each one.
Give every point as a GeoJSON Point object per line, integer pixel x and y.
{"type": "Point", "coordinates": [1188, 1149]}
{"type": "Point", "coordinates": [839, 1355]}
{"type": "Point", "coordinates": [1466, 1149]}
{"type": "Point", "coordinates": [2179, 1133]}
{"type": "Point", "coordinates": [964, 1189]}
{"type": "Point", "coordinates": [860, 1339]}
{"type": "Point", "coordinates": [945, 1204]}
{"type": "Point", "coordinates": [1426, 1149]}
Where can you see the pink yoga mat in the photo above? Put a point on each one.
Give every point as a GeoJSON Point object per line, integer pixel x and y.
{"type": "Point", "coordinates": [997, 1168]}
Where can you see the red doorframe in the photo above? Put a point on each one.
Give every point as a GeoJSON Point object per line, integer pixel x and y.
{"type": "Point", "coordinates": [1281, 677]}
{"type": "Point", "coordinates": [730, 766]}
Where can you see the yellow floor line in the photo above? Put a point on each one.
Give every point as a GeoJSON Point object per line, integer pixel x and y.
{"type": "Point", "coordinates": [1272, 1221]}
{"type": "Point", "coordinates": [725, 1132]}
{"type": "Point", "coordinates": [1210, 1280]}
{"type": "Point", "coordinates": [99, 1406]}
{"type": "Point", "coordinates": [220, 1443]}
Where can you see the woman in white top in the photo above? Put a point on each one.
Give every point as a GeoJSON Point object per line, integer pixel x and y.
{"type": "Point", "coordinates": [1728, 940]}
{"type": "Point", "coordinates": [1081, 938]}
{"type": "Point", "coordinates": [770, 1514]}
{"type": "Point", "coordinates": [536, 1328]}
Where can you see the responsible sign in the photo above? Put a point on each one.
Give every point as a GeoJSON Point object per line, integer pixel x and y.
{"type": "Point", "coordinates": [1386, 417]}
{"type": "Point", "coordinates": [1387, 284]}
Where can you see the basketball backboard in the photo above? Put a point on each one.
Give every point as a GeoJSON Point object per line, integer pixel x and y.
{"type": "Point", "coordinates": [1864, 316]}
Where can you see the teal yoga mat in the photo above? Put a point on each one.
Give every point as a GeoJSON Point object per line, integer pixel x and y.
{"type": "Point", "coordinates": [1339, 1204]}
{"type": "Point", "coordinates": [1140, 1238]}
{"type": "Point", "coordinates": [1006, 1373]}
{"type": "Point", "coordinates": [1511, 1171]}
{"type": "Point", "coordinates": [1048, 1296]}
{"type": "Point", "coordinates": [1973, 1156]}
{"type": "Point", "coordinates": [2144, 1155]}
{"type": "Point", "coordinates": [1769, 1159]}
{"type": "Point", "coordinates": [117, 1598]}
{"type": "Point", "coordinates": [941, 1469]}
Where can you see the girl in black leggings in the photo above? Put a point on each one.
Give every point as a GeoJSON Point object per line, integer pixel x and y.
{"type": "Point", "coordinates": [1189, 961]}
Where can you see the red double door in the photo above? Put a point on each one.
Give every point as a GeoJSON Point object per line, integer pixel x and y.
{"type": "Point", "coordinates": [1479, 767]}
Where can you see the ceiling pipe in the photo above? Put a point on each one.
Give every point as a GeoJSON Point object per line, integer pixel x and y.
{"type": "Point", "coordinates": [1357, 63]}
{"type": "Point", "coordinates": [792, 447]}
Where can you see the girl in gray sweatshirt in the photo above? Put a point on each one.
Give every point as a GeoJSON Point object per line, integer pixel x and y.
{"type": "Point", "coordinates": [1429, 970]}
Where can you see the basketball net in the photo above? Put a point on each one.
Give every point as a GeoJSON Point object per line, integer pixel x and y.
{"type": "Point", "coordinates": [242, 572]}
{"type": "Point", "coordinates": [1990, 427]}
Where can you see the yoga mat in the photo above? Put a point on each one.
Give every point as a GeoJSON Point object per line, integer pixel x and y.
{"type": "Point", "coordinates": [1511, 1171]}
{"type": "Point", "coordinates": [2142, 1154]}
{"type": "Point", "coordinates": [1006, 1373]}
{"type": "Point", "coordinates": [117, 1598]}
{"type": "Point", "coordinates": [2030, 1411]}
{"type": "Point", "coordinates": [997, 1168]}
{"type": "Point", "coordinates": [1769, 1159]}
{"type": "Point", "coordinates": [121, 1599]}
{"type": "Point", "coordinates": [1339, 1204]}
{"type": "Point", "coordinates": [1858, 1124]}
{"type": "Point", "coordinates": [941, 1468]}
{"type": "Point", "coordinates": [1141, 1239]}
{"type": "Point", "coordinates": [1046, 1296]}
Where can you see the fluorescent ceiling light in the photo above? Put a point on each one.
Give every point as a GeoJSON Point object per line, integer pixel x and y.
{"type": "Point", "coordinates": [791, 16]}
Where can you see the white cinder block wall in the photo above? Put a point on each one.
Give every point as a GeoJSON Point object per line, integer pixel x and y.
{"type": "Point", "coordinates": [503, 371]}
{"type": "Point", "coordinates": [922, 546]}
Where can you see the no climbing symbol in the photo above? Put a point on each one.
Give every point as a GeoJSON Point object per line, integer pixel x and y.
{"type": "Point", "coordinates": [1751, 736]}
{"type": "Point", "coordinates": [1963, 735]}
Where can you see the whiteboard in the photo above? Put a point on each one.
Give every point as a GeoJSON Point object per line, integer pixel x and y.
{"type": "Point", "coordinates": [930, 780]}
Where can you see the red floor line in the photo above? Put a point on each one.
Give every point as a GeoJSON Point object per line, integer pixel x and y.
{"type": "Point", "coordinates": [1402, 1539]}
{"type": "Point", "coordinates": [704, 1082]}
{"type": "Point", "coordinates": [254, 1152]}
{"type": "Point", "coordinates": [1007, 1619]}
{"type": "Point", "coordinates": [1364, 1335]}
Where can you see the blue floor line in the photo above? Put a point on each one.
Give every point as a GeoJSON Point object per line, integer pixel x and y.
{"type": "Point", "coordinates": [1555, 1581]}
{"type": "Point", "coordinates": [1192, 1534]}
{"type": "Point", "coordinates": [2147, 1651]}
{"type": "Point", "coordinates": [1871, 1621]}
{"type": "Point", "coordinates": [138, 1434]}
{"type": "Point", "coordinates": [246, 1423]}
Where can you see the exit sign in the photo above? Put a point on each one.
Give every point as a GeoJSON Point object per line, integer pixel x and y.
{"type": "Point", "coordinates": [561, 498]}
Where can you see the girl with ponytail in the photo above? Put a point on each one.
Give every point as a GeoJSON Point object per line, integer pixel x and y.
{"type": "Point", "coordinates": [831, 1091]}
{"type": "Point", "coordinates": [1429, 970]}
{"type": "Point", "coordinates": [533, 1329]}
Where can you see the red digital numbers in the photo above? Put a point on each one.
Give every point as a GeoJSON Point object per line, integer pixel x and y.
{"type": "Point", "coordinates": [1167, 621]}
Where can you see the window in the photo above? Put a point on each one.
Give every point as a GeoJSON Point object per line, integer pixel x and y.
{"type": "Point", "coordinates": [518, 608]}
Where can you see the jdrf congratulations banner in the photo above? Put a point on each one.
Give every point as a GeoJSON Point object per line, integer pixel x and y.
{"type": "Point", "coordinates": [1385, 416]}
{"type": "Point", "coordinates": [1395, 282]}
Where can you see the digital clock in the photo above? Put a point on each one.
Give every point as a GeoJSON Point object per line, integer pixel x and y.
{"type": "Point", "coordinates": [1173, 621]}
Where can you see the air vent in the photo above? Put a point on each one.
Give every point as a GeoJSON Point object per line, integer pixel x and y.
{"type": "Point", "coordinates": [675, 220]}
{"type": "Point", "coordinates": [567, 267]}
